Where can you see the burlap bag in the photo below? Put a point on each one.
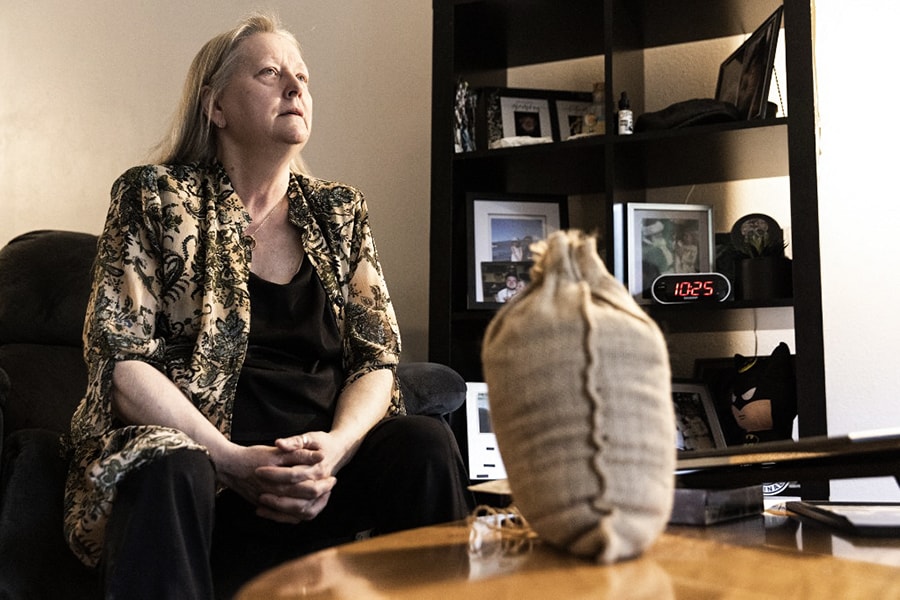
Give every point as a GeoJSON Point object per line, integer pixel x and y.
{"type": "Point", "coordinates": [580, 395]}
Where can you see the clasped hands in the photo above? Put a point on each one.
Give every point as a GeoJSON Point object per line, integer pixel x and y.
{"type": "Point", "coordinates": [289, 482]}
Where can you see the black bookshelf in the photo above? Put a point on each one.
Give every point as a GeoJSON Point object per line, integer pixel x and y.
{"type": "Point", "coordinates": [478, 40]}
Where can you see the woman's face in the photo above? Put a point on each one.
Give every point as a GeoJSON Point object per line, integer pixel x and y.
{"type": "Point", "coordinates": [267, 100]}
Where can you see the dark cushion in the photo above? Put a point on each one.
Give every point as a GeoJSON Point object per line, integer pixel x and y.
{"type": "Point", "coordinates": [46, 384]}
{"type": "Point", "coordinates": [430, 388]}
{"type": "Point", "coordinates": [45, 282]}
{"type": "Point", "coordinates": [4, 392]}
{"type": "Point", "coordinates": [36, 561]}
{"type": "Point", "coordinates": [4, 385]}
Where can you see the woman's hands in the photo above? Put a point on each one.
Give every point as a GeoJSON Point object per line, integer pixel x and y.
{"type": "Point", "coordinates": [290, 482]}
{"type": "Point", "coordinates": [296, 485]}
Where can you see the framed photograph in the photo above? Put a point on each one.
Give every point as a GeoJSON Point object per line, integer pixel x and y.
{"type": "Point", "coordinates": [526, 117]}
{"type": "Point", "coordinates": [508, 117]}
{"type": "Point", "coordinates": [744, 77]}
{"type": "Point", "coordinates": [570, 118]}
{"type": "Point", "coordinates": [502, 228]}
{"type": "Point", "coordinates": [696, 423]}
{"type": "Point", "coordinates": [484, 456]}
{"type": "Point", "coordinates": [653, 239]}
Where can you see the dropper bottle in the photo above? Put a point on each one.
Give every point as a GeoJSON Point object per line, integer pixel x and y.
{"type": "Point", "coordinates": [626, 117]}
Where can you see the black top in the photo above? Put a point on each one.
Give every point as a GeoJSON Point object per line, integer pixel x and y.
{"type": "Point", "coordinates": [292, 372]}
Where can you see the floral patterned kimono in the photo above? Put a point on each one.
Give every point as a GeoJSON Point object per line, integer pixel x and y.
{"type": "Point", "coordinates": [170, 289]}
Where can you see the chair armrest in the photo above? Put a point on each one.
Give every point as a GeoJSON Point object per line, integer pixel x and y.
{"type": "Point", "coordinates": [5, 386]}
{"type": "Point", "coordinates": [37, 562]}
{"type": "Point", "coordinates": [430, 388]}
{"type": "Point", "coordinates": [4, 393]}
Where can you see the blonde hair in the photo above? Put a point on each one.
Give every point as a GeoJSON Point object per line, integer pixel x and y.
{"type": "Point", "coordinates": [191, 137]}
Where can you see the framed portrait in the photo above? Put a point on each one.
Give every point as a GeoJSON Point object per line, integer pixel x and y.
{"type": "Point", "coordinates": [485, 462]}
{"type": "Point", "coordinates": [696, 422]}
{"type": "Point", "coordinates": [744, 77]}
{"type": "Point", "coordinates": [501, 229]}
{"type": "Point", "coordinates": [655, 239]}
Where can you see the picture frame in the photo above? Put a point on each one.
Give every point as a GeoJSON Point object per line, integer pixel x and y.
{"type": "Point", "coordinates": [507, 117]}
{"type": "Point", "coordinates": [745, 76]}
{"type": "Point", "coordinates": [655, 239]}
{"type": "Point", "coordinates": [570, 118]}
{"type": "Point", "coordinates": [485, 462]}
{"type": "Point", "coordinates": [501, 227]}
{"type": "Point", "coordinates": [696, 421]}
{"type": "Point", "coordinates": [526, 117]}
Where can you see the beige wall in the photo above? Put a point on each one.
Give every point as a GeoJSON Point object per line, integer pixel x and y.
{"type": "Point", "coordinates": [859, 213]}
{"type": "Point", "coordinates": [88, 87]}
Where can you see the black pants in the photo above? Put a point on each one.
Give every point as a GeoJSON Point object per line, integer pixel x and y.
{"type": "Point", "coordinates": [169, 536]}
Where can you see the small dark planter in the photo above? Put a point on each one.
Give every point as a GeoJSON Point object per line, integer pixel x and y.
{"type": "Point", "coordinates": [763, 278]}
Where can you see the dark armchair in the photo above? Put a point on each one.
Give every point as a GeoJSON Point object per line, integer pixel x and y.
{"type": "Point", "coordinates": [44, 286]}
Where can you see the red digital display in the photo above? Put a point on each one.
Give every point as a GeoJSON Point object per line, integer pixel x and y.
{"type": "Point", "coordinates": [698, 288]}
{"type": "Point", "coordinates": [676, 288]}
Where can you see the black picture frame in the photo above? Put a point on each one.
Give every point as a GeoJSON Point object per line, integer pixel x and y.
{"type": "Point", "coordinates": [744, 76]}
{"type": "Point", "coordinates": [501, 227]}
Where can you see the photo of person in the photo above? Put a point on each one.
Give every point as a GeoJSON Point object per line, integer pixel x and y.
{"type": "Point", "coordinates": [744, 76]}
{"type": "Point", "coordinates": [687, 250]}
{"type": "Point", "coordinates": [513, 287]}
{"type": "Point", "coordinates": [502, 280]}
{"type": "Point", "coordinates": [656, 250]}
{"type": "Point", "coordinates": [669, 246]}
{"type": "Point", "coordinates": [504, 230]}
{"type": "Point", "coordinates": [512, 236]}
{"type": "Point", "coordinates": [516, 252]}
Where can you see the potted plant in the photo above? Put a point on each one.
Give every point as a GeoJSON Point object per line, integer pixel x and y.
{"type": "Point", "coordinates": [762, 271]}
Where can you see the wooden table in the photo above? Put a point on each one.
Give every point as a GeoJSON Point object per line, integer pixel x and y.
{"type": "Point", "coordinates": [771, 556]}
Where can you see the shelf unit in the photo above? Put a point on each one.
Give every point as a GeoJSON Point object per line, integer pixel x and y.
{"type": "Point", "coordinates": [480, 40]}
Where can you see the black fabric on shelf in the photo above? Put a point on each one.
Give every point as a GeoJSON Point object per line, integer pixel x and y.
{"type": "Point", "coordinates": [698, 111]}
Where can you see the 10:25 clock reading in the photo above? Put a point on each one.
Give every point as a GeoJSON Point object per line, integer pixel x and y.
{"type": "Point", "coordinates": [672, 288]}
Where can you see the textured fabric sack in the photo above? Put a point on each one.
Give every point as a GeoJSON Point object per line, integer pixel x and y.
{"type": "Point", "coordinates": [580, 395]}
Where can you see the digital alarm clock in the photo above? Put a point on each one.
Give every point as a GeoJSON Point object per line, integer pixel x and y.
{"type": "Point", "coordinates": [680, 288]}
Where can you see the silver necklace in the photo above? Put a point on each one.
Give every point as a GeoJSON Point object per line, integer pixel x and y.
{"type": "Point", "coordinates": [252, 236]}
